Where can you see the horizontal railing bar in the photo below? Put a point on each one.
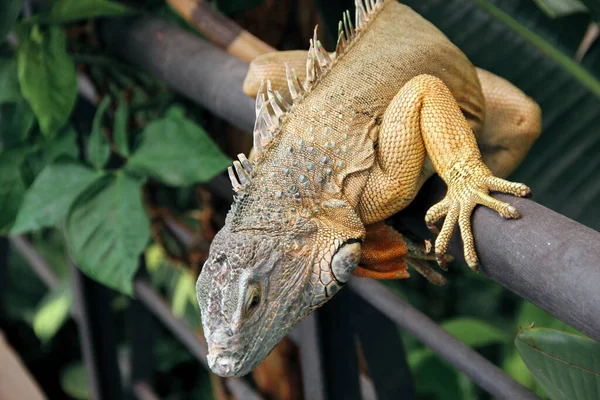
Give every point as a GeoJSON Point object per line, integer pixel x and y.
{"type": "Point", "coordinates": [148, 296]}
{"type": "Point", "coordinates": [37, 262]}
{"type": "Point", "coordinates": [513, 253]}
{"type": "Point", "coordinates": [218, 89]}
{"type": "Point", "coordinates": [481, 371]}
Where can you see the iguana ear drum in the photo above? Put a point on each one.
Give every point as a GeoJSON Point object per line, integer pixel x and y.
{"type": "Point", "coordinates": [345, 260]}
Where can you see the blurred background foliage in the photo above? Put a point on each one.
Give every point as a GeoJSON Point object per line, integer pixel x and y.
{"type": "Point", "coordinates": [104, 159]}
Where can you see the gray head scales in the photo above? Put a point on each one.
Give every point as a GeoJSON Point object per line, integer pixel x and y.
{"type": "Point", "coordinates": [255, 287]}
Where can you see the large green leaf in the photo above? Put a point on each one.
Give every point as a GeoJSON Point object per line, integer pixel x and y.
{"type": "Point", "coordinates": [528, 314]}
{"type": "Point", "coordinates": [10, 10]}
{"type": "Point", "coordinates": [566, 365]}
{"type": "Point", "coordinates": [47, 76]}
{"type": "Point", "coordinates": [107, 229]}
{"type": "Point", "coordinates": [53, 312]}
{"type": "Point", "coordinates": [73, 10]}
{"type": "Point", "coordinates": [48, 199]}
{"type": "Point", "coordinates": [177, 152]}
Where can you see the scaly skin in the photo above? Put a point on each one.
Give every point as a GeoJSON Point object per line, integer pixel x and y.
{"type": "Point", "coordinates": [398, 103]}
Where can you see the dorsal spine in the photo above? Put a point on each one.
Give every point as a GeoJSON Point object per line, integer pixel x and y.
{"type": "Point", "coordinates": [272, 108]}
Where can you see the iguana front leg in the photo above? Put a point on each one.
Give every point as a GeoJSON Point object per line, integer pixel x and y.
{"type": "Point", "coordinates": [424, 120]}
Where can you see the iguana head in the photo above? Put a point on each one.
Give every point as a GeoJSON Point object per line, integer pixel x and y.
{"type": "Point", "coordinates": [258, 284]}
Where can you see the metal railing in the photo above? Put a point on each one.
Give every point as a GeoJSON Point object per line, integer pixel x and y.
{"type": "Point", "coordinates": [525, 256]}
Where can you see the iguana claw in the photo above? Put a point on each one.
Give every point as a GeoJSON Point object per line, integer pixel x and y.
{"type": "Point", "coordinates": [468, 188]}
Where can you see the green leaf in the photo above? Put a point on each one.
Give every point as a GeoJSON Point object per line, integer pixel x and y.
{"type": "Point", "coordinates": [437, 378]}
{"type": "Point", "coordinates": [44, 151]}
{"type": "Point", "coordinates": [52, 313]}
{"type": "Point", "coordinates": [12, 187]}
{"type": "Point", "coordinates": [107, 229]}
{"type": "Point", "coordinates": [567, 366]}
{"type": "Point", "coordinates": [120, 127]}
{"type": "Point", "coordinates": [64, 143]}
{"type": "Point", "coordinates": [8, 16]}
{"type": "Point", "coordinates": [47, 76]}
{"type": "Point", "coordinates": [16, 121]}
{"type": "Point", "coordinates": [560, 8]}
{"type": "Point", "coordinates": [177, 152]}
{"type": "Point", "coordinates": [74, 381]}
{"type": "Point", "coordinates": [74, 10]}
{"type": "Point", "coordinates": [10, 92]}
{"type": "Point", "coordinates": [184, 294]}
{"type": "Point", "coordinates": [528, 314]}
{"type": "Point", "coordinates": [98, 148]}
{"type": "Point", "coordinates": [48, 199]}
{"type": "Point", "coordinates": [474, 332]}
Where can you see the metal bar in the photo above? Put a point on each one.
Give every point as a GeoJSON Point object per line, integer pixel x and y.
{"type": "Point", "coordinates": [543, 257]}
{"type": "Point", "coordinates": [383, 351]}
{"type": "Point", "coordinates": [339, 348]}
{"type": "Point", "coordinates": [139, 329]}
{"type": "Point", "coordinates": [97, 336]}
{"type": "Point", "coordinates": [311, 358]}
{"type": "Point", "coordinates": [220, 78]}
{"type": "Point", "coordinates": [184, 333]}
{"type": "Point", "coordinates": [39, 265]}
{"type": "Point", "coordinates": [143, 391]}
{"type": "Point", "coordinates": [3, 277]}
{"type": "Point", "coordinates": [481, 371]}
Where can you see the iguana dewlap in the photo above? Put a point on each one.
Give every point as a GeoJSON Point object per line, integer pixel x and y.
{"type": "Point", "coordinates": [339, 149]}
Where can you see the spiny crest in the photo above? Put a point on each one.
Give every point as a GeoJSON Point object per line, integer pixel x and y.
{"type": "Point", "coordinates": [271, 106]}
{"type": "Point", "coordinates": [243, 168]}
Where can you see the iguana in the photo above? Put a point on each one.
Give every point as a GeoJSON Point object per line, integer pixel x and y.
{"type": "Point", "coordinates": [338, 150]}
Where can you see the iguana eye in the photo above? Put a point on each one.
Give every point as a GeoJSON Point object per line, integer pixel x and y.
{"type": "Point", "coordinates": [252, 299]}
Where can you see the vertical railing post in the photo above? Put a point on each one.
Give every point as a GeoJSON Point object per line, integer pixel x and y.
{"type": "Point", "coordinates": [139, 330]}
{"type": "Point", "coordinates": [97, 335]}
{"type": "Point", "coordinates": [3, 277]}
{"type": "Point", "coordinates": [311, 358]}
{"type": "Point", "coordinates": [339, 348]}
{"type": "Point", "coordinates": [383, 351]}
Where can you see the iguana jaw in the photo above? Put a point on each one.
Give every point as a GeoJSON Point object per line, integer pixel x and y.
{"type": "Point", "coordinates": [292, 277]}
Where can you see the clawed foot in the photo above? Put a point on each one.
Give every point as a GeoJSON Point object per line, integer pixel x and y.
{"type": "Point", "coordinates": [462, 197]}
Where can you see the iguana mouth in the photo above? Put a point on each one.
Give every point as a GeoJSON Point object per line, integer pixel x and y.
{"type": "Point", "coordinates": [221, 363]}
